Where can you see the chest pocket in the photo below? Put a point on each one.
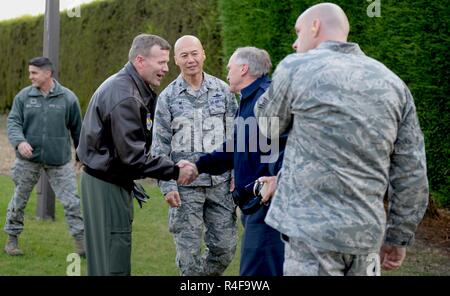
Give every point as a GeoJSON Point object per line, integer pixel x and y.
{"type": "Point", "coordinates": [217, 105]}
{"type": "Point", "coordinates": [33, 106]}
{"type": "Point", "coordinates": [33, 110]}
{"type": "Point", "coordinates": [181, 107]}
{"type": "Point", "coordinates": [57, 111]}
{"type": "Point", "coordinates": [56, 107]}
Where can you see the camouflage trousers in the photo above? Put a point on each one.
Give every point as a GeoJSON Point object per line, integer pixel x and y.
{"type": "Point", "coordinates": [301, 259]}
{"type": "Point", "coordinates": [25, 175]}
{"type": "Point", "coordinates": [208, 210]}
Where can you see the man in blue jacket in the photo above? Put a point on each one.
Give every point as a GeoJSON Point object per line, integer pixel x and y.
{"type": "Point", "coordinates": [43, 118]}
{"type": "Point", "coordinates": [251, 156]}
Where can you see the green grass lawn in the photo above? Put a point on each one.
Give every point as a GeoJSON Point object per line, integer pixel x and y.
{"type": "Point", "coordinates": [47, 244]}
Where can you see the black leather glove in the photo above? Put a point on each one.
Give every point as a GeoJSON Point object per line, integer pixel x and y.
{"type": "Point", "coordinates": [140, 194]}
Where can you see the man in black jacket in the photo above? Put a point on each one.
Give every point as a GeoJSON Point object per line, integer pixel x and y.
{"type": "Point", "coordinates": [115, 150]}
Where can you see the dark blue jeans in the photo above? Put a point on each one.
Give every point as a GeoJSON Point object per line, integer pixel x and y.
{"type": "Point", "coordinates": [262, 250]}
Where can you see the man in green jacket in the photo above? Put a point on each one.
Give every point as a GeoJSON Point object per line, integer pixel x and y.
{"type": "Point", "coordinates": [43, 118]}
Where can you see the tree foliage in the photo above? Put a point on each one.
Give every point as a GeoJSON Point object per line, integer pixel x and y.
{"type": "Point", "coordinates": [95, 45]}
{"type": "Point", "coordinates": [409, 37]}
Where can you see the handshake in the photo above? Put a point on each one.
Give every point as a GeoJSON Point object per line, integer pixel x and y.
{"type": "Point", "coordinates": [188, 172]}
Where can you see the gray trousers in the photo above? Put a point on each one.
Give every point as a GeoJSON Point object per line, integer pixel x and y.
{"type": "Point", "coordinates": [209, 211]}
{"type": "Point", "coordinates": [302, 259]}
{"type": "Point", "coordinates": [108, 216]}
{"type": "Point", "coordinates": [25, 175]}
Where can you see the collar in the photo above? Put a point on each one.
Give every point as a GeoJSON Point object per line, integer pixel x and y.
{"type": "Point", "coordinates": [52, 89]}
{"type": "Point", "coordinates": [49, 92]}
{"type": "Point", "coordinates": [56, 90]}
{"type": "Point", "coordinates": [183, 86]}
{"type": "Point", "coordinates": [343, 47]}
{"type": "Point", "coordinates": [250, 89]}
{"type": "Point", "coordinates": [144, 89]}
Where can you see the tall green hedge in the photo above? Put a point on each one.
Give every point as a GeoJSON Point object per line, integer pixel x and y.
{"type": "Point", "coordinates": [96, 45]}
{"type": "Point", "coordinates": [410, 37]}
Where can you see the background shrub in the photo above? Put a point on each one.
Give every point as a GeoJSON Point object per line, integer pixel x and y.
{"type": "Point", "coordinates": [410, 37]}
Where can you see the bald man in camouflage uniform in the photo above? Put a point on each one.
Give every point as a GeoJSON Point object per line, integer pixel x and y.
{"type": "Point", "coordinates": [190, 121]}
{"type": "Point", "coordinates": [355, 132]}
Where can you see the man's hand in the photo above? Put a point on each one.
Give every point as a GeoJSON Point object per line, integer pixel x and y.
{"type": "Point", "coordinates": [188, 172]}
{"type": "Point", "coordinates": [392, 257]}
{"type": "Point", "coordinates": [173, 199]}
{"type": "Point", "coordinates": [25, 149]}
{"type": "Point", "coordinates": [78, 166]}
{"type": "Point", "coordinates": [232, 184]}
{"type": "Point", "coordinates": [269, 188]}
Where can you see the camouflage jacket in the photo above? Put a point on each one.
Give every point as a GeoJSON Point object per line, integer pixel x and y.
{"type": "Point", "coordinates": [189, 124]}
{"type": "Point", "coordinates": [355, 132]}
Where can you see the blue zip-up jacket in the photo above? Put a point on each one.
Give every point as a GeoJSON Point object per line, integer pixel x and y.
{"type": "Point", "coordinates": [262, 251]}
{"type": "Point", "coordinates": [246, 162]}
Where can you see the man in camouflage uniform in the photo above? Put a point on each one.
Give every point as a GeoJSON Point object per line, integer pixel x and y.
{"type": "Point", "coordinates": [43, 118]}
{"type": "Point", "coordinates": [355, 132]}
{"type": "Point", "coordinates": [190, 119]}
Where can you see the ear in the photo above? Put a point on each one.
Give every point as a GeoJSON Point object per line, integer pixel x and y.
{"type": "Point", "coordinates": [137, 61]}
{"type": "Point", "coordinates": [244, 69]}
{"type": "Point", "coordinates": [48, 73]}
{"type": "Point", "coordinates": [175, 60]}
{"type": "Point", "coordinates": [315, 29]}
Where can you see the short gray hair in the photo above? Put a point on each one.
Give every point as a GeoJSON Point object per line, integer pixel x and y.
{"type": "Point", "coordinates": [258, 60]}
{"type": "Point", "coordinates": [143, 43]}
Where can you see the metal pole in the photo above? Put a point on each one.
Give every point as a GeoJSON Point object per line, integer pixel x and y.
{"type": "Point", "coordinates": [46, 196]}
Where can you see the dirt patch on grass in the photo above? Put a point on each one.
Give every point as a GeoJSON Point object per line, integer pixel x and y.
{"type": "Point", "coordinates": [435, 232]}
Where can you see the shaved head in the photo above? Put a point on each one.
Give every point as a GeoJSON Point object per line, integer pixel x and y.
{"type": "Point", "coordinates": [332, 17]}
{"type": "Point", "coordinates": [187, 40]}
{"type": "Point", "coordinates": [321, 22]}
{"type": "Point", "coordinates": [190, 57]}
